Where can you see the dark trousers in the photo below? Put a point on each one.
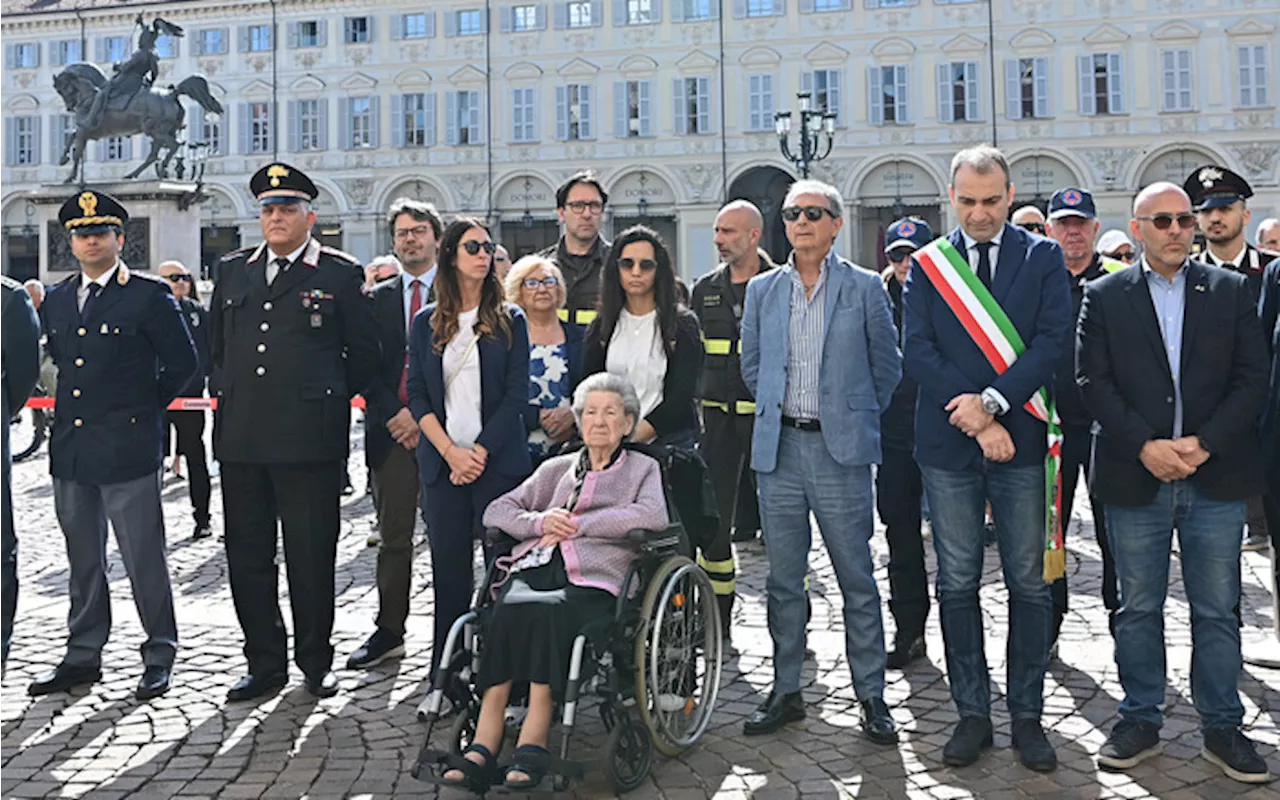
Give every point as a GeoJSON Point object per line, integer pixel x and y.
{"type": "Point", "coordinates": [1076, 444]}
{"type": "Point", "coordinates": [454, 517]}
{"type": "Point", "coordinates": [898, 493]}
{"type": "Point", "coordinates": [726, 449]}
{"type": "Point", "coordinates": [395, 497]}
{"type": "Point", "coordinates": [305, 500]}
{"type": "Point", "coordinates": [190, 429]}
{"type": "Point", "coordinates": [9, 548]}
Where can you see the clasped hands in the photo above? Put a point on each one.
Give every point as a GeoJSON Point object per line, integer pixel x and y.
{"type": "Point", "coordinates": [404, 429]}
{"type": "Point", "coordinates": [465, 463]}
{"type": "Point", "coordinates": [557, 422]}
{"type": "Point", "coordinates": [557, 525]}
{"type": "Point", "coordinates": [1173, 459]}
{"type": "Point", "coordinates": [968, 415]}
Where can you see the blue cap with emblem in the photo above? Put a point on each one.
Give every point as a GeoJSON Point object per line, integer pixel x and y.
{"type": "Point", "coordinates": [910, 232]}
{"type": "Point", "coordinates": [92, 212]}
{"type": "Point", "coordinates": [1215, 187]}
{"type": "Point", "coordinates": [1072, 202]}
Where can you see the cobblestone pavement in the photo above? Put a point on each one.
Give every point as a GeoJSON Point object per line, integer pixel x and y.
{"type": "Point", "coordinates": [103, 744]}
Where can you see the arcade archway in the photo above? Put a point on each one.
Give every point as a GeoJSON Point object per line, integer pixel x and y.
{"type": "Point", "coordinates": [766, 186]}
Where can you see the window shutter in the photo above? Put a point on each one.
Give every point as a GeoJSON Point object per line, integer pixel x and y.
{"type": "Point", "coordinates": [375, 123]}
{"type": "Point", "coordinates": [876, 3]}
{"type": "Point", "coordinates": [128, 148]}
{"type": "Point", "coordinates": [945, 109]}
{"type": "Point", "coordinates": [348, 30]}
{"type": "Point", "coordinates": [972, 97]}
{"type": "Point", "coordinates": [678, 10]}
{"type": "Point", "coordinates": [295, 126]}
{"type": "Point", "coordinates": [1012, 88]}
{"type": "Point", "coordinates": [344, 122]}
{"type": "Point", "coordinates": [397, 27]}
{"type": "Point", "coordinates": [752, 115]}
{"type": "Point", "coordinates": [10, 137]}
{"type": "Point", "coordinates": [681, 120]}
{"type": "Point", "coordinates": [597, 13]}
{"type": "Point", "coordinates": [644, 91]}
{"type": "Point", "coordinates": [1041, 73]}
{"type": "Point", "coordinates": [779, 8]}
{"type": "Point", "coordinates": [36, 140]}
{"type": "Point", "coordinates": [397, 120]}
{"type": "Point", "coordinates": [242, 39]}
{"type": "Point", "coordinates": [586, 128]}
{"type": "Point", "coordinates": [1115, 82]}
{"type": "Point", "coordinates": [431, 24]}
{"type": "Point", "coordinates": [242, 125]}
{"type": "Point", "coordinates": [451, 118]}
{"type": "Point", "coordinates": [371, 25]}
{"type": "Point", "coordinates": [835, 97]}
{"type": "Point", "coordinates": [484, 21]}
{"type": "Point", "coordinates": [506, 18]}
{"type": "Point", "coordinates": [55, 141]}
{"type": "Point", "coordinates": [429, 117]}
{"type": "Point", "coordinates": [1185, 84]}
{"type": "Point", "coordinates": [540, 17]}
{"type": "Point", "coordinates": [451, 23]}
{"type": "Point", "coordinates": [322, 114]}
{"type": "Point", "coordinates": [1084, 69]}
{"type": "Point", "coordinates": [655, 11]}
{"type": "Point", "coordinates": [739, 9]}
{"type": "Point", "coordinates": [806, 6]}
{"type": "Point", "coordinates": [620, 109]}
{"type": "Point", "coordinates": [1168, 81]}
{"type": "Point", "coordinates": [101, 148]}
{"type": "Point", "coordinates": [561, 17]}
{"type": "Point", "coordinates": [562, 113]}
{"type": "Point", "coordinates": [619, 13]}
{"type": "Point", "coordinates": [704, 105]}
{"type": "Point", "coordinates": [322, 32]}
{"type": "Point", "coordinates": [473, 117]}
{"type": "Point", "coordinates": [294, 35]}
{"type": "Point", "coordinates": [875, 94]}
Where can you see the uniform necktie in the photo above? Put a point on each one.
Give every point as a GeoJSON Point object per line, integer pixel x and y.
{"type": "Point", "coordinates": [984, 262]}
{"type": "Point", "coordinates": [95, 289]}
{"type": "Point", "coordinates": [415, 305]}
{"type": "Point", "coordinates": [275, 268]}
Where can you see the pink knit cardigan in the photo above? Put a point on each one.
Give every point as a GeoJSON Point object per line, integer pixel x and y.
{"type": "Point", "coordinates": [625, 496]}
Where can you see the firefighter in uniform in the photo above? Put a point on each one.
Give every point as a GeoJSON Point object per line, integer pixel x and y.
{"type": "Point", "coordinates": [728, 409]}
{"type": "Point", "coordinates": [293, 339]}
{"type": "Point", "coordinates": [580, 252]}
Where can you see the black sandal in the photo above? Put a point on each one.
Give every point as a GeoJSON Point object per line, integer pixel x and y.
{"type": "Point", "coordinates": [479, 778]}
{"type": "Point", "coordinates": [534, 764]}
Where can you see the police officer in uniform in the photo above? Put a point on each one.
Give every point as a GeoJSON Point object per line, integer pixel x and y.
{"type": "Point", "coordinates": [728, 409]}
{"type": "Point", "coordinates": [19, 369]}
{"type": "Point", "coordinates": [293, 339]}
{"type": "Point", "coordinates": [123, 353]}
{"type": "Point", "coordinates": [580, 253]}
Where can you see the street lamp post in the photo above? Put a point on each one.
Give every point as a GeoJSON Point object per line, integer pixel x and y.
{"type": "Point", "coordinates": [816, 124]}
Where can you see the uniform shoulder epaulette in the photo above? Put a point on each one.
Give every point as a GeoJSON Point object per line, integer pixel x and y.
{"type": "Point", "coordinates": [10, 283]}
{"type": "Point", "coordinates": [150, 276]}
{"type": "Point", "coordinates": [72, 278]}
{"type": "Point", "coordinates": [238, 252]}
{"type": "Point", "coordinates": [706, 278]}
{"type": "Point", "coordinates": [339, 254]}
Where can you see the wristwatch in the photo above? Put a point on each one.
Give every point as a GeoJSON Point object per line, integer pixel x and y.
{"type": "Point", "coordinates": [990, 404]}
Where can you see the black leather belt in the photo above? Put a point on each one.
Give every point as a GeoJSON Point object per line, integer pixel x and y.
{"type": "Point", "coordinates": [802, 424]}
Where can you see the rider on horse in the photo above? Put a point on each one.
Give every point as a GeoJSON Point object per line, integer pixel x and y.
{"type": "Point", "coordinates": [134, 75]}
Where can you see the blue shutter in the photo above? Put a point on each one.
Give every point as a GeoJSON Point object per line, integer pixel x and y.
{"type": "Point", "coordinates": [344, 122]}
{"type": "Point", "coordinates": [655, 11]}
{"type": "Point", "coordinates": [397, 120]}
{"type": "Point", "coordinates": [322, 32]}
{"type": "Point", "coordinates": [945, 108]}
{"type": "Point", "coordinates": [1084, 69]}
{"type": "Point", "coordinates": [1012, 89]}
{"type": "Point", "coordinates": [678, 10]}
{"type": "Point", "coordinates": [371, 25]}
{"type": "Point", "coordinates": [242, 114]}
{"type": "Point", "coordinates": [540, 17]}
{"type": "Point", "coordinates": [620, 109]}
{"type": "Point", "coordinates": [323, 112]}
{"type": "Point", "coordinates": [704, 105]}
{"type": "Point", "coordinates": [902, 75]}
{"type": "Point", "coordinates": [875, 95]}
{"type": "Point", "coordinates": [835, 96]}
{"type": "Point", "coordinates": [451, 118]}
{"type": "Point", "coordinates": [375, 123]}
{"type": "Point", "coordinates": [506, 18]}
{"type": "Point", "coordinates": [397, 27]}
{"type": "Point", "coordinates": [806, 6]}
{"type": "Point", "coordinates": [739, 9]}
{"type": "Point", "coordinates": [619, 13]}
{"type": "Point", "coordinates": [429, 118]}
{"type": "Point", "coordinates": [450, 23]}
{"type": "Point", "coordinates": [294, 37]}
{"type": "Point", "coordinates": [562, 113]}
{"type": "Point", "coordinates": [294, 121]}
{"type": "Point", "coordinates": [1115, 82]}
{"type": "Point", "coordinates": [473, 117]}
{"type": "Point", "coordinates": [597, 13]}
{"type": "Point", "coordinates": [586, 128]}
{"type": "Point", "coordinates": [645, 91]}
{"type": "Point", "coordinates": [1041, 83]}
{"type": "Point", "coordinates": [972, 106]}
{"type": "Point", "coordinates": [681, 121]}
{"type": "Point", "coordinates": [561, 15]}
{"type": "Point", "coordinates": [10, 138]}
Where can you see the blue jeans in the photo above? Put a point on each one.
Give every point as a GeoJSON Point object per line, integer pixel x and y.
{"type": "Point", "coordinates": [957, 499]}
{"type": "Point", "coordinates": [1209, 535]}
{"type": "Point", "coordinates": [808, 479]}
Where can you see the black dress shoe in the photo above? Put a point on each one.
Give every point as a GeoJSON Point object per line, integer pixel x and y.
{"type": "Point", "coordinates": [381, 646]}
{"type": "Point", "coordinates": [155, 682]}
{"type": "Point", "coordinates": [63, 678]}
{"type": "Point", "coordinates": [904, 654]}
{"type": "Point", "coordinates": [1033, 747]}
{"type": "Point", "coordinates": [251, 687]}
{"type": "Point", "coordinates": [971, 737]}
{"type": "Point", "coordinates": [775, 712]}
{"type": "Point", "coordinates": [877, 725]}
{"type": "Point", "coordinates": [322, 686]}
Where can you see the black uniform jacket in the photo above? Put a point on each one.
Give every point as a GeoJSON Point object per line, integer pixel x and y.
{"type": "Point", "coordinates": [582, 287]}
{"type": "Point", "coordinates": [720, 316]}
{"type": "Point", "coordinates": [288, 358]}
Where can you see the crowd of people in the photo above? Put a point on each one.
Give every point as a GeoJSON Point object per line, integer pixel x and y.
{"type": "Point", "coordinates": [974, 378]}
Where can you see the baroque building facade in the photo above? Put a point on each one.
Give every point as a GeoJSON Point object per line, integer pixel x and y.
{"type": "Point", "coordinates": [484, 108]}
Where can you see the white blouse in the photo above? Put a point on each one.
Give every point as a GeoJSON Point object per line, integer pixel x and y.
{"type": "Point", "coordinates": [462, 382]}
{"type": "Point", "coordinates": [636, 353]}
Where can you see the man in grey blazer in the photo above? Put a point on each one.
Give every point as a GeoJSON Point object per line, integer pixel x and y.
{"type": "Point", "coordinates": [820, 355]}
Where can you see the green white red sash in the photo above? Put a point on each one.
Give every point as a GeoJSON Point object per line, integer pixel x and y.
{"type": "Point", "coordinates": [985, 321]}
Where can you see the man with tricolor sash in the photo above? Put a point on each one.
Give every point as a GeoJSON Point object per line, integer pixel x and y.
{"type": "Point", "coordinates": [988, 317]}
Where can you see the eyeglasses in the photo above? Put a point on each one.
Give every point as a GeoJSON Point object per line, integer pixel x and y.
{"type": "Point", "coordinates": [1186, 221]}
{"type": "Point", "coordinates": [901, 254]}
{"type": "Point", "coordinates": [472, 247]}
{"type": "Point", "coordinates": [549, 282]}
{"type": "Point", "coordinates": [179, 278]}
{"type": "Point", "coordinates": [582, 206]}
{"type": "Point", "coordinates": [1034, 227]}
{"type": "Point", "coordinates": [416, 232]}
{"type": "Point", "coordinates": [811, 213]}
{"type": "Point", "coordinates": [1128, 255]}
{"type": "Point", "coordinates": [646, 264]}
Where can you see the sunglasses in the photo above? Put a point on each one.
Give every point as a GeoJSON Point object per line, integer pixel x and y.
{"type": "Point", "coordinates": [1034, 227]}
{"type": "Point", "coordinates": [179, 278]}
{"type": "Point", "coordinates": [645, 264]}
{"type": "Point", "coordinates": [1127, 256]}
{"type": "Point", "coordinates": [550, 282]}
{"type": "Point", "coordinates": [811, 213]}
{"type": "Point", "coordinates": [1163, 222]}
{"type": "Point", "coordinates": [901, 254]}
{"type": "Point", "coordinates": [472, 247]}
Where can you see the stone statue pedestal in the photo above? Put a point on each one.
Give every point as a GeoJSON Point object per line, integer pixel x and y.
{"type": "Point", "coordinates": [164, 225]}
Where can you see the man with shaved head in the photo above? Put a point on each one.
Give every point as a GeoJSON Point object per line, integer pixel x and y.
{"type": "Point", "coordinates": [728, 409]}
{"type": "Point", "coordinates": [1171, 364]}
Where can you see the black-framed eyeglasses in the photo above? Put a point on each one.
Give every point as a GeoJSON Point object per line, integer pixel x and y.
{"type": "Point", "coordinates": [811, 213]}
{"type": "Point", "coordinates": [473, 247]}
{"type": "Point", "coordinates": [1163, 222]}
{"type": "Point", "coordinates": [1128, 255]}
{"type": "Point", "coordinates": [1034, 227]}
{"type": "Point", "coordinates": [179, 277]}
{"type": "Point", "coordinates": [645, 264]}
{"type": "Point", "coordinates": [582, 206]}
{"type": "Point", "coordinates": [549, 282]}
{"type": "Point", "coordinates": [900, 254]}
{"type": "Point", "coordinates": [416, 232]}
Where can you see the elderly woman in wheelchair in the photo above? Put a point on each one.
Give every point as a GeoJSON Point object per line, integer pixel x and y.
{"type": "Point", "coordinates": [572, 519]}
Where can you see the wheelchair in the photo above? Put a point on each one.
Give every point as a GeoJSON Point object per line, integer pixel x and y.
{"type": "Point", "coordinates": [654, 665]}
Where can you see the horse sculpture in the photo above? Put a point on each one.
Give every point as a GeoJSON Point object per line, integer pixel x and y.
{"type": "Point", "coordinates": [129, 104]}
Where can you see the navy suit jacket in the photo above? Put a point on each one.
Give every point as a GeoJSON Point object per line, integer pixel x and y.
{"type": "Point", "coordinates": [1269, 312]}
{"type": "Point", "coordinates": [504, 396]}
{"type": "Point", "coordinates": [1030, 284]}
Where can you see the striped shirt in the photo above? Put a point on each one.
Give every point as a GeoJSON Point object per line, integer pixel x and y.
{"type": "Point", "coordinates": [804, 346]}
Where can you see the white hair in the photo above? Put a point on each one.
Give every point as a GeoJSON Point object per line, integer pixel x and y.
{"type": "Point", "coordinates": [835, 203]}
{"type": "Point", "coordinates": [1264, 226]}
{"type": "Point", "coordinates": [382, 261]}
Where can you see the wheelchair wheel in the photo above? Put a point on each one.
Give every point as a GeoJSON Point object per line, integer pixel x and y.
{"type": "Point", "coordinates": [628, 754]}
{"type": "Point", "coordinates": [678, 655]}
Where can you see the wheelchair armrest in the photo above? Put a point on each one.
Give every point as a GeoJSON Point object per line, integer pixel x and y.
{"type": "Point", "coordinates": [658, 540]}
{"type": "Point", "coordinates": [498, 542]}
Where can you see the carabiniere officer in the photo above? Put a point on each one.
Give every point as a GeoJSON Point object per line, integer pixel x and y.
{"type": "Point", "coordinates": [293, 340]}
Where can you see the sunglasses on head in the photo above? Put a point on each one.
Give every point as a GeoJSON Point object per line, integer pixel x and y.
{"type": "Point", "coordinates": [645, 264]}
{"type": "Point", "coordinates": [901, 254]}
{"type": "Point", "coordinates": [179, 278]}
{"type": "Point", "coordinates": [811, 213]}
{"type": "Point", "coordinates": [472, 247]}
{"type": "Point", "coordinates": [550, 282]}
{"type": "Point", "coordinates": [1163, 222]}
{"type": "Point", "coordinates": [1034, 227]}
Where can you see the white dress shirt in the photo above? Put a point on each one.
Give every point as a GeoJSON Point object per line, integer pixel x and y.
{"type": "Point", "coordinates": [993, 254]}
{"type": "Point", "coordinates": [82, 293]}
{"type": "Point", "coordinates": [636, 354]}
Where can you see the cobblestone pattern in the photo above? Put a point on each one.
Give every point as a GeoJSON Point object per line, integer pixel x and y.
{"type": "Point", "coordinates": [103, 744]}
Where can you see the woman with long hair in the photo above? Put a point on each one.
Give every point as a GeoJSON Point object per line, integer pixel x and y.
{"type": "Point", "coordinates": [468, 387]}
{"type": "Point", "coordinates": [644, 334]}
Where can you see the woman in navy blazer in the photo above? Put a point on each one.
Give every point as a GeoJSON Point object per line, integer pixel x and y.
{"type": "Point", "coordinates": [468, 389]}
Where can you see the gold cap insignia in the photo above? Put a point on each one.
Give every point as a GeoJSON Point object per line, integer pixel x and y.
{"type": "Point", "coordinates": [275, 172]}
{"type": "Point", "coordinates": [88, 203]}
{"type": "Point", "coordinates": [1209, 176]}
